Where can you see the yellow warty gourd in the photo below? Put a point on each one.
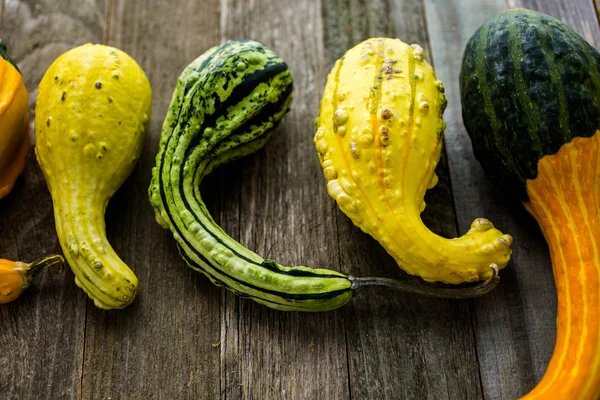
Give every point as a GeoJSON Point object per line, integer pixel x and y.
{"type": "Point", "coordinates": [16, 276]}
{"type": "Point", "coordinates": [379, 138]}
{"type": "Point", "coordinates": [92, 113]}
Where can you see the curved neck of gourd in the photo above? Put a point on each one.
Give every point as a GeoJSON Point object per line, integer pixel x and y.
{"type": "Point", "coordinates": [421, 252]}
{"type": "Point", "coordinates": [98, 269]}
{"type": "Point", "coordinates": [565, 201]}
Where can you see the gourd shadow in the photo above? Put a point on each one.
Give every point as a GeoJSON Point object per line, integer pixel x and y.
{"type": "Point", "coordinates": [150, 251]}
{"type": "Point", "coordinates": [530, 250]}
{"type": "Point", "coordinates": [360, 254]}
{"type": "Point", "coordinates": [224, 192]}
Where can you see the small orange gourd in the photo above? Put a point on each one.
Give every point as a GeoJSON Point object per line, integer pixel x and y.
{"type": "Point", "coordinates": [14, 123]}
{"type": "Point", "coordinates": [16, 276]}
{"type": "Point", "coordinates": [379, 138]}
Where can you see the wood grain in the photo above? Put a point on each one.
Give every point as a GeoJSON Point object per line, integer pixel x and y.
{"type": "Point", "coordinates": [162, 344]}
{"type": "Point", "coordinates": [284, 214]}
{"type": "Point", "coordinates": [2, 6]}
{"type": "Point", "coordinates": [540, 306]}
{"type": "Point", "coordinates": [399, 346]}
{"type": "Point", "coordinates": [578, 14]}
{"type": "Point", "coordinates": [42, 333]}
{"type": "Point", "coordinates": [541, 313]}
{"type": "Point", "coordinates": [184, 337]}
{"type": "Point", "coordinates": [540, 303]}
{"type": "Point", "coordinates": [513, 326]}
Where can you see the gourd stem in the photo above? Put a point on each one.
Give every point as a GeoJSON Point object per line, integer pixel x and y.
{"type": "Point", "coordinates": [39, 265]}
{"type": "Point", "coordinates": [425, 290]}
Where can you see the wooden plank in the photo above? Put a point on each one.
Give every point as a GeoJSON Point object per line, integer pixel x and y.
{"type": "Point", "coordinates": [285, 214]}
{"type": "Point", "coordinates": [42, 333]}
{"type": "Point", "coordinates": [539, 303]}
{"type": "Point", "coordinates": [597, 7]}
{"type": "Point", "coordinates": [399, 345]}
{"type": "Point", "coordinates": [503, 348]}
{"type": "Point", "coordinates": [579, 14]}
{"type": "Point", "coordinates": [162, 345]}
{"type": "Point", "coordinates": [510, 337]}
{"type": "Point", "coordinates": [515, 325]}
{"type": "Point", "coordinates": [2, 7]}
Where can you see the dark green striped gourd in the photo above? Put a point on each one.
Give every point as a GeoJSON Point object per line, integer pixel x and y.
{"type": "Point", "coordinates": [226, 104]}
{"type": "Point", "coordinates": [528, 85]}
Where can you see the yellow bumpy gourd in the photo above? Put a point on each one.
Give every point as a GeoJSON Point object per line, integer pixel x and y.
{"type": "Point", "coordinates": [92, 112]}
{"type": "Point", "coordinates": [379, 138]}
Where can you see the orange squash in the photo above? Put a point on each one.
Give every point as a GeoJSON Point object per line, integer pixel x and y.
{"type": "Point", "coordinates": [565, 200]}
{"type": "Point", "coordinates": [14, 123]}
{"type": "Point", "coordinates": [16, 276]}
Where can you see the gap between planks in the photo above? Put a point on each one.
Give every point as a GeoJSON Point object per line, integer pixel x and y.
{"type": "Point", "coordinates": [2, 17]}
{"type": "Point", "coordinates": [596, 7]}
{"type": "Point", "coordinates": [470, 306]}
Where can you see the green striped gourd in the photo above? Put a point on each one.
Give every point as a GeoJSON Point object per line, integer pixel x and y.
{"type": "Point", "coordinates": [226, 104]}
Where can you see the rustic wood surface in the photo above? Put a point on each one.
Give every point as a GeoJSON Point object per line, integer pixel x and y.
{"type": "Point", "coordinates": [184, 337]}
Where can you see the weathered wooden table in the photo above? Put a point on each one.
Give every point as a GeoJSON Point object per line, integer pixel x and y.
{"type": "Point", "coordinates": [184, 337]}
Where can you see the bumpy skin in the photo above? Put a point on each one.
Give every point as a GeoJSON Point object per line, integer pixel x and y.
{"type": "Point", "coordinates": [379, 138]}
{"type": "Point", "coordinates": [14, 123]}
{"type": "Point", "coordinates": [528, 84]}
{"type": "Point", "coordinates": [531, 104]}
{"type": "Point", "coordinates": [92, 112]}
{"type": "Point", "coordinates": [225, 106]}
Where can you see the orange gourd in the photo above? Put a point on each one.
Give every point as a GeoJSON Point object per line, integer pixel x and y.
{"type": "Point", "coordinates": [16, 276]}
{"type": "Point", "coordinates": [14, 123]}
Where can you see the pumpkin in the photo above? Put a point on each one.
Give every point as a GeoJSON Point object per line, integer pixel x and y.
{"type": "Point", "coordinates": [92, 113]}
{"type": "Point", "coordinates": [379, 138]}
{"type": "Point", "coordinates": [14, 122]}
{"type": "Point", "coordinates": [16, 276]}
{"type": "Point", "coordinates": [530, 91]}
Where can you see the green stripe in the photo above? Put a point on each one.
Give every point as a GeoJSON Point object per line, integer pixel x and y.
{"type": "Point", "coordinates": [520, 96]}
{"type": "Point", "coordinates": [287, 305]}
{"type": "Point", "coordinates": [553, 64]}
{"type": "Point", "coordinates": [481, 68]}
